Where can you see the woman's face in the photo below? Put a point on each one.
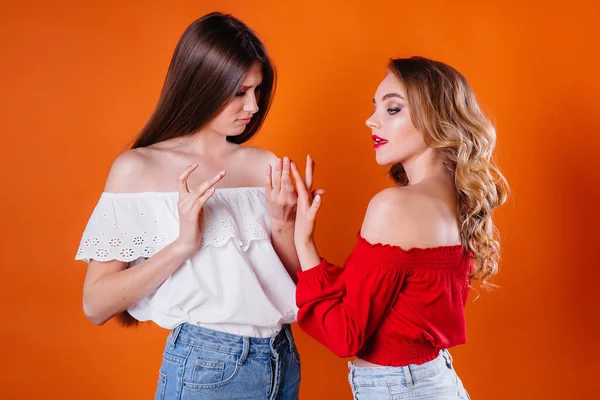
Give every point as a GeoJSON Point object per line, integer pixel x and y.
{"type": "Point", "coordinates": [395, 138]}
{"type": "Point", "coordinates": [238, 113]}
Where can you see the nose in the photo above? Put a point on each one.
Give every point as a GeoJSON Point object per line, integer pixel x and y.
{"type": "Point", "coordinates": [251, 105]}
{"type": "Point", "coordinates": [372, 124]}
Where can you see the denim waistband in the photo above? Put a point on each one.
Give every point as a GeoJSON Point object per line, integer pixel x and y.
{"type": "Point", "coordinates": [197, 336]}
{"type": "Point", "coordinates": [407, 374]}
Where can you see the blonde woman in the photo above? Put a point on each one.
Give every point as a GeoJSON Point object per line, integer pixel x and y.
{"type": "Point", "coordinates": [398, 303]}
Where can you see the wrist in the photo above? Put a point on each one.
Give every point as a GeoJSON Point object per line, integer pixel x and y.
{"type": "Point", "coordinates": [308, 255]}
{"type": "Point", "coordinates": [305, 243]}
{"type": "Point", "coordinates": [181, 249]}
{"type": "Point", "coordinates": [279, 226]}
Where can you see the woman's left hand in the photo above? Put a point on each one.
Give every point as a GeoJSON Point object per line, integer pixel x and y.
{"type": "Point", "coordinates": [280, 194]}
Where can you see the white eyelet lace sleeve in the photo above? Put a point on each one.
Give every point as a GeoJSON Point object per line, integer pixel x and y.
{"type": "Point", "coordinates": [126, 227]}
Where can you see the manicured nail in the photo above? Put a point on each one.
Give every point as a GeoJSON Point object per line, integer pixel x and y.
{"type": "Point", "coordinates": [220, 174]}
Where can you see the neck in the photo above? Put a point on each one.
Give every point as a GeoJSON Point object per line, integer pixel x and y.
{"type": "Point", "coordinates": [425, 166]}
{"type": "Point", "coordinates": [207, 142]}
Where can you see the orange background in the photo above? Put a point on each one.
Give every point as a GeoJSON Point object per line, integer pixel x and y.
{"type": "Point", "coordinates": [79, 79]}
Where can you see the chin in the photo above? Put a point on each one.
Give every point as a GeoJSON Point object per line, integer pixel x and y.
{"type": "Point", "coordinates": [235, 131]}
{"type": "Point", "coordinates": [239, 130]}
{"type": "Point", "coordinates": [390, 155]}
{"type": "Point", "coordinates": [381, 160]}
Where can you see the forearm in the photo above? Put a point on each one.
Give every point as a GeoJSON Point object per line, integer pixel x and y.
{"type": "Point", "coordinates": [308, 254]}
{"type": "Point", "coordinates": [114, 292]}
{"type": "Point", "coordinates": [282, 237]}
{"type": "Point", "coordinates": [342, 307]}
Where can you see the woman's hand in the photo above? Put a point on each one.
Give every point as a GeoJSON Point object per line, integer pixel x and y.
{"type": "Point", "coordinates": [280, 194]}
{"type": "Point", "coordinates": [191, 209]}
{"type": "Point", "coordinates": [308, 204]}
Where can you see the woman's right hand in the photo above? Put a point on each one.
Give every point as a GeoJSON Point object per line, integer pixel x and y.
{"type": "Point", "coordinates": [309, 202]}
{"type": "Point", "coordinates": [191, 209]}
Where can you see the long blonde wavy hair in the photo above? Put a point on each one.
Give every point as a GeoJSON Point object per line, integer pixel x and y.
{"type": "Point", "coordinates": [444, 109]}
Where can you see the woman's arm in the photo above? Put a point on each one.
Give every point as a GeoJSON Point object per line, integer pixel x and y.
{"type": "Point", "coordinates": [110, 287]}
{"type": "Point", "coordinates": [281, 204]}
{"type": "Point", "coordinates": [342, 307]}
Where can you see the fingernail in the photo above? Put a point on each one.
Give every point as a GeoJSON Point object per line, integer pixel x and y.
{"type": "Point", "coordinates": [192, 165]}
{"type": "Point", "coordinates": [220, 174]}
{"type": "Point", "coordinates": [279, 161]}
{"type": "Point", "coordinates": [286, 160]}
{"type": "Point", "coordinates": [318, 198]}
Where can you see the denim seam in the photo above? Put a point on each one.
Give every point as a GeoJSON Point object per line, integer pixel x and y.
{"type": "Point", "coordinates": [162, 381]}
{"type": "Point", "coordinates": [178, 360]}
{"type": "Point", "coordinates": [207, 348]}
{"type": "Point", "coordinates": [417, 394]}
{"type": "Point", "coordinates": [201, 386]}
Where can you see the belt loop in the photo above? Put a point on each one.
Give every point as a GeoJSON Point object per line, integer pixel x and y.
{"type": "Point", "coordinates": [448, 358]}
{"type": "Point", "coordinates": [408, 375]}
{"type": "Point", "coordinates": [275, 340]}
{"type": "Point", "coordinates": [245, 350]}
{"type": "Point", "coordinates": [351, 372]}
{"type": "Point", "coordinates": [175, 335]}
{"type": "Point", "coordinates": [288, 332]}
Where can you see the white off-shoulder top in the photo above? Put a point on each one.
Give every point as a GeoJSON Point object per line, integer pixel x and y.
{"type": "Point", "coordinates": [234, 283]}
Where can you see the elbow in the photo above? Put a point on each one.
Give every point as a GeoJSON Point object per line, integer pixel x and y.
{"type": "Point", "coordinates": [345, 351]}
{"type": "Point", "coordinates": [93, 313]}
{"type": "Point", "coordinates": [348, 345]}
{"type": "Point", "coordinates": [342, 346]}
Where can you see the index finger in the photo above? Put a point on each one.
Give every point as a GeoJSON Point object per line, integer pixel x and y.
{"type": "Point", "coordinates": [268, 179]}
{"type": "Point", "coordinates": [182, 179]}
{"type": "Point", "coordinates": [310, 168]}
{"type": "Point", "coordinates": [300, 184]}
{"type": "Point", "coordinates": [206, 185]}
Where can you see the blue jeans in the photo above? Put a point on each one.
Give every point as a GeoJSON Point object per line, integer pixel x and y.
{"type": "Point", "coordinates": [200, 363]}
{"type": "Point", "coordinates": [433, 380]}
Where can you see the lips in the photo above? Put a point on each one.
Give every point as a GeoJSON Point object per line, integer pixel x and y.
{"type": "Point", "coordinates": [244, 120]}
{"type": "Point", "coordinates": [379, 141]}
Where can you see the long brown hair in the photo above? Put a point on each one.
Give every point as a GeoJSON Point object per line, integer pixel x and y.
{"type": "Point", "coordinates": [444, 109]}
{"type": "Point", "coordinates": [208, 66]}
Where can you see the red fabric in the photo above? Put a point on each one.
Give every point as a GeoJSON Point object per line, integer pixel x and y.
{"type": "Point", "coordinates": [388, 306]}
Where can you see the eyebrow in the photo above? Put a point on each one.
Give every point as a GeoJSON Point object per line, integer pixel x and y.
{"type": "Point", "coordinates": [389, 96]}
{"type": "Point", "coordinates": [246, 87]}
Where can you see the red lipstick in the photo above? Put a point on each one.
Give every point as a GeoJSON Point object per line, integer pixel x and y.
{"type": "Point", "coordinates": [379, 141]}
